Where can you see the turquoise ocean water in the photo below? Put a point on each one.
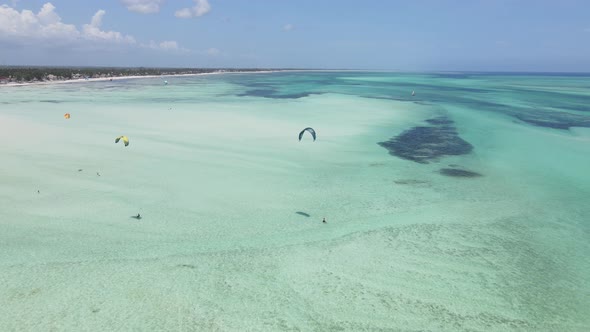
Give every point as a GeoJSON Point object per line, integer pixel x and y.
{"type": "Point", "coordinates": [461, 208]}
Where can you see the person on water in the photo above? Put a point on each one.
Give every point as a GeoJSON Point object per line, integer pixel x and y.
{"type": "Point", "coordinates": [324, 220]}
{"type": "Point", "coordinates": [138, 216]}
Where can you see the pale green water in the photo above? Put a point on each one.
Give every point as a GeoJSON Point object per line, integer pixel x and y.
{"type": "Point", "coordinates": [216, 170]}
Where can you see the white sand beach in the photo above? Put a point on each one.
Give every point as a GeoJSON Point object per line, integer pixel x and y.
{"type": "Point", "coordinates": [117, 78]}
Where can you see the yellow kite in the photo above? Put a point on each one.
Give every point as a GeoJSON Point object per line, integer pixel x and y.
{"type": "Point", "coordinates": [124, 138]}
{"type": "Point", "coordinates": [67, 115]}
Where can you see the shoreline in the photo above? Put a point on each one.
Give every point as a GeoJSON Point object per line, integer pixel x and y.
{"type": "Point", "coordinates": [118, 78]}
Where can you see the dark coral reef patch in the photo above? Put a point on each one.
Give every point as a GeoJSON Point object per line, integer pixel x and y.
{"type": "Point", "coordinates": [424, 144]}
{"type": "Point", "coordinates": [459, 173]}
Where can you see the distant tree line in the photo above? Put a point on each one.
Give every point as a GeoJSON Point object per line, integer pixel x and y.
{"type": "Point", "coordinates": [31, 74]}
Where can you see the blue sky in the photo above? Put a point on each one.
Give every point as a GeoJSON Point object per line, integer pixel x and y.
{"type": "Point", "coordinates": [411, 35]}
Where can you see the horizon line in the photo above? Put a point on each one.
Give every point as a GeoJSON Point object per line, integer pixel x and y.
{"type": "Point", "coordinates": [447, 71]}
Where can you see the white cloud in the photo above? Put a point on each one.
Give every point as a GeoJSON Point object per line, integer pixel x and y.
{"type": "Point", "coordinates": [184, 13]}
{"type": "Point", "coordinates": [288, 27]}
{"type": "Point", "coordinates": [143, 6]}
{"type": "Point", "coordinates": [167, 45]}
{"type": "Point", "coordinates": [92, 31]}
{"type": "Point", "coordinates": [47, 14]}
{"type": "Point", "coordinates": [25, 26]}
{"type": "Point", "coordinates": [46, 29]}
{"type": "Point", "coordinates": [201, 8]}
{"type": "Point", "coordinates": [213, 51]}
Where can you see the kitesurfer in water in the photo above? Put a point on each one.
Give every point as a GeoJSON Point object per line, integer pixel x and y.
{"type": "Point", "coordinates": [310, 130]}
{"type": "Point", "coordinates": [324, 220]}
{"type": "Point", "coordinates": [138, 216]}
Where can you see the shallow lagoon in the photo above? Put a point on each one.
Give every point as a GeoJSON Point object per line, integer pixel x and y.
{"type": "Point", "coordinates": [224, 187]}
